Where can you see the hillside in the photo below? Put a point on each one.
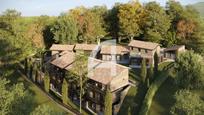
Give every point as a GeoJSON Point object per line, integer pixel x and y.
{"type": "Point", "coordinates": [200, 7]}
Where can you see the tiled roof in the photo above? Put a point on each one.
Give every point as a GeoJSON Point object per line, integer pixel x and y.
{"type": "Point", "coordinates": [60, 47]}
{"type": "Point", "coordinates": [86, 47]}
{"type": "Point", "coordinates": [110, 49]}
{"type": "Point", "coordinates": [173, 48]}
{"type": "Point", "coordinates": [64, 61]}
{"type": "Point", "coordinates": [104, 72]}
{"type": "Point", "coordinates": [143, 44]}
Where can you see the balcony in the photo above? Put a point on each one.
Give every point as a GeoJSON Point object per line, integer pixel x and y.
{"type": "Point", "coordinates": [96, 88]}
{"type": "Point", "coordinates": [140, 54]}
{"type": "Point", "coordinates": [135, 54]}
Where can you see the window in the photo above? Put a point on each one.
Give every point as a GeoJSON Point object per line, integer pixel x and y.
{"type": "Point", "coordinates": [118, 57]}
{"type": "Point", "coordinates": [139, 49]}
{"type": "Point", "coordinates": [109, 57]}
{"type": "Point", "coordinates": [93, 105]}
{"type": "Point", "coordinates": [104, 57]}
{"type": "Point", "coordinates": [91, 94]}
{"type": "Point", "coordinates": [103, 87]}
{"type": "Point", "coordinates": [98, 107]}
{"type": "Point", "coordinates": [98, 97]}
{"type": "Point", "coordinates": [146, 51]}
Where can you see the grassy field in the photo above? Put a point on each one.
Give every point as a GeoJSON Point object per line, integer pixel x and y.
{"type": "Point", "coordinates": [38, 96]}
{"type": "Point", "coordinates": [128, 102]}
{"type": "Point", "coordinates": [136, 95]}
{"type": "Point", "coordinates": [164, 98]}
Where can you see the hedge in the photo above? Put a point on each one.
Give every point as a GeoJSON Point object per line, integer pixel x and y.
{"type": "Point", "coordinates": [152, 91]}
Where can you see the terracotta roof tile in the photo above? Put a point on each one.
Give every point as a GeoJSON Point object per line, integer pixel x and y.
{"type": "Point", "coordinates": [107, 49]}
{"type": "Point", "coordinates": [86, 47]}
{"type": "Point", "coordinates": [64, 61]}
{"type": "Point", "coordinates": [173, 48]}
{"type": "Point", "coordinates": [104, 72]}
{"type": "Point", "coordinates": [143, 44]}
{"type": "Point", "coordinates": [60, 47]}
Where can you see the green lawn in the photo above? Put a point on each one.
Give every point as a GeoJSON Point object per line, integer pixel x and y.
{"type": "Point", "coordinates": [133, 100]}
{"type": "Point", "coordinates": [38, 96]}
{"type": "Point", "coordinates": [128, 101]}
{"type": "Point", "coordinates": [164, 98]}
{"type": "Point", "coordinates": [134, 74]}
{"type": "Point", "coordinates": [135, 95]}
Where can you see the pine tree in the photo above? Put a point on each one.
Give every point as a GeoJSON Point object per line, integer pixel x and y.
{"type": "Point", "coordinates": [35, 70]}
{"type": "Point", "coordinates": [108, 103]}
{"type": "Point", "coordinates": [156, 62]}
{"type": "Point", "coordinates": [26, 65]}
{"type": "Point", "coordinates": [79, 71]}
{"type": "Point", "coordinates": [65, 91]}
{"type": "Point", "coordinates": [47, 82]}
{"type": "Point", "coordinates": [129, 110]}
{"type": "Point", "coordinates": [151, 73]}
{"type": "Point", "coordinates": [143, 71]}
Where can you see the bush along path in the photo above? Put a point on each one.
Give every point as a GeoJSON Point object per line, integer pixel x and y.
{"type": "Point", "coordinates": [162, 76]}
{"type": "Point", "coordinates": [68, 109]}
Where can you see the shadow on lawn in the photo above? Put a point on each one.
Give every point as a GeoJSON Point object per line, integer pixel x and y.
{"type": "Point", "coordinates": [133, 100]}
{"type": "Point", "coordinates": [164, 98]}
{"type": "Point", "coordinates": [139, 97]}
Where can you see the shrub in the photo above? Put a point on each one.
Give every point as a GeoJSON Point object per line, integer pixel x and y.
{"type": "Point", "coordinates": [190, 70]}
{"type": "Point", "coordinates": [187, 103]}
{"type": "Point", "coordinates": [47, 82]}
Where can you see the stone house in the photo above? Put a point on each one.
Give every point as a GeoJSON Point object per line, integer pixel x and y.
{"type": "Point", "coordinates": [140, 50]}
{"type": "Point", "coordinates": [172, 52]}
{"type": "Point", "coordinates": [103, 75]}
{"type": "Point", "coordinates": [87, 49]}
{"type": "Point", "coordinates": [58, 48]}
{"type": "Point", "coordinates": [119, 54]}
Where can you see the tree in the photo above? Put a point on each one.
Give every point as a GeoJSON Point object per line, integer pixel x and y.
{"type": "Point", "coordinates": [65, 30]}
{"type": "Point", "coordinates": [18, 45]}
{"type": "Point", "coordinates": [186, 26]}
{"type": "Point", "coordinates": [65, 91]}
{"type": "Point", "coordinates": [156, 22]}
{"type": "Point", "coordinates": [130, 24]}
{"type": "Point", "coordinates": [47, 82]}
{"type": "Point", "coordinates": [112, 21]}
{"type": "Point", "coordinates": [100, 11]}
{"type": "Point", "coordinates": [156, 62]}
{"type": "Point", "coordinates": [150, 74]}
{"type": "Point", "coordinates": [129, 111]}
{"type": "Point", "coordinates": [189, 67]}
{"type": "Point", "coordinates": [79, 71]}
{"type": "Point", "coordinates": [8, 18]}
{"type": "Point", "coordinates": [14, 99]}
{"type": "Point", "coordinates": [187, 103]}
{"type": "Point", "coordinates": [26, 66]}
{"type": "Point", "coordinates": [35, 31]}
{"type": "Point", "coordinates": [89, 24]}
{"type": "Point", "coordinates": [171, 39]}
{"type": "Point", "coordinates": [143, 71]}
{"type": "Point", "coordinates": [176, 12]}
{"type": "Point", "coordinates": [35, 72]}
{"type": "Point", "coordinates": [45, 110]}
{"type": "Point", "coordinates": [108, 103]}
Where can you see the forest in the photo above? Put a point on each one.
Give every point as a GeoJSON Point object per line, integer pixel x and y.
{"type": "Point", "coordinates": [21, 37]}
